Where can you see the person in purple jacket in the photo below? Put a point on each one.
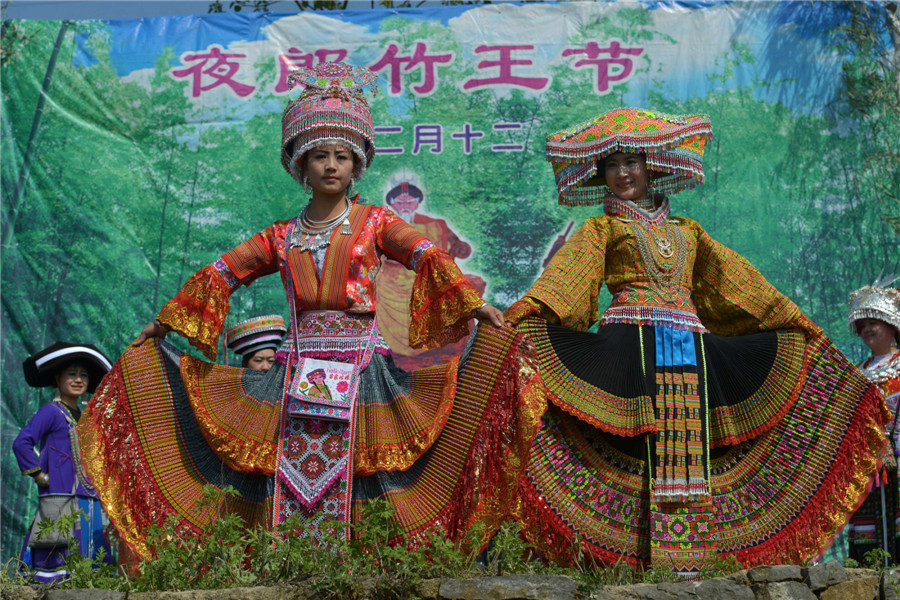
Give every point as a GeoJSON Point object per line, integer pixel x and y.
{"type": "Point", "coordinates": [47, 450]}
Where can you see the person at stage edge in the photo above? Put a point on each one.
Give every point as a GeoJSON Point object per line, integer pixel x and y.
{"type": "Point", "coordinates": [47, 450]}
{"type": "Point", "coordinates": [708, 415]}
{"type": "Point", "coordinates": [444, 445]}
{"type": "Point", "coordinates": [875, 317]}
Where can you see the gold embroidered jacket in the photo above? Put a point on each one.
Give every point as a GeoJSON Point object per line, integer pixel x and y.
{"type": "Point", "coordinates": [717, 289]}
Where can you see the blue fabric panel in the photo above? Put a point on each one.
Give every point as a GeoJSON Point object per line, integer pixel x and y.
{"type": "Point", "coordinates": [675, 347]}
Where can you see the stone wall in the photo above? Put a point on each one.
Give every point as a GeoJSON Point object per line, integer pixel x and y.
{"type": "Point", "coordinates": [785, 582]}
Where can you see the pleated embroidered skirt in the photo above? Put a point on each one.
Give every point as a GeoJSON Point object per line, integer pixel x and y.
{"type": "Point", "coordinates": [446, 445]}
{"type": "Point", "coordinates": [664, 447]}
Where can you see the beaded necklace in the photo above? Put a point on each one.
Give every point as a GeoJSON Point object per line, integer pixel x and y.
{"type": "Point", "coordinates": [883, 372]}
{"type": "Point", "coordinates": [74, 444]}
{"type": "Point", "coordinates": [671, 244]}
{"type": "Point", "coordinates": [672, 236]}
{"type": "Point", "coordinates": [312, 235]}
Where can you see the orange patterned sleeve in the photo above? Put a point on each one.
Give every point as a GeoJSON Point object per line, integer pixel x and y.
{"type": "Point", "coordinates": [528, 307]}
{"type": "Point", "coordinates": [442, 302]}
{"type": "Point", "coordinates": [733, 298]}
{"type": "Point", "coordinates": [442, 299]}
{"type": "Point", "coordinates": [568, 290]}
{"type": "Point", "coordinates": [199, 310]}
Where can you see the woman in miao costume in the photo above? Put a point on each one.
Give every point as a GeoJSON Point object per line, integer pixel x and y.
{"type": "Point", "coordinates": [445, 445]}
{"type": "Point", "coordinates": [875, 317]}
{"type": "Point", "coordinates": [707, 415]}
{"type": "Point", "coordinates": [47, 450]}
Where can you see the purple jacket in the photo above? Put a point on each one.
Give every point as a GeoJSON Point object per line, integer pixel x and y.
{"type": "Point", "coordinates": [49, 429]}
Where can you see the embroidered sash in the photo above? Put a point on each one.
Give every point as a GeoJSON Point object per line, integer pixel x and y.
{"type": "Point", "coordinates": [326, 389]}
{"type": "Point", "coordinates": [315, 452]}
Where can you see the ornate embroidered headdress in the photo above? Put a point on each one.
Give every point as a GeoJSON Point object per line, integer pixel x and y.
{"type": "Point", "coordinates": [315, 373]}
{"type": "Point", "coordinates": [256, 334]}
{"type": "Point", "coordinates": [876, 301]}
{"type": "Point", "coordinates": [673, 146]}
{"type": "Point", "coordinates": [332, 108]}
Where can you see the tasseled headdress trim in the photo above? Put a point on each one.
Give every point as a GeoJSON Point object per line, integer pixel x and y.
{"type": "Point", "coordinates": [673, 146]}
{"type": "Point", "coordinates": [332, 109]}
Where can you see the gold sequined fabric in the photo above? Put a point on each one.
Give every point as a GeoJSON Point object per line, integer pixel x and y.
{"type": "Point", "coordinates": [240, 429]}
{"type": "Point", "coordinates": [391, 436]}
{"type": "Point", "coordinates": [148, 463]}
{"type": "Point", "coordinates": [199, 310]}
{"type": "Point", "coordinates": [467, 480]}
{"type": "Point", "coordinates": [442, 302]}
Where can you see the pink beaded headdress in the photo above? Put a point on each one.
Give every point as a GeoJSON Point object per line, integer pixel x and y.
{"type": "Point", "coordinates": [332, 108]}
{"type": "Point", "coordinates": [673, 146]}
{"type": "Point", "coordinates": [876, 301]}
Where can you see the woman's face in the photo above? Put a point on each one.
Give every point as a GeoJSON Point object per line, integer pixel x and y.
{"type": "Point", "coordinates": [72, 381]}
{"type": "Point", "coordinates": [877, 335]}
{"type": "Point", "coordinates": [329, 168]}
{"type": "Point", "coordinates": [626, 175]}
{"type": "Point", "coordinates": [262, 360]}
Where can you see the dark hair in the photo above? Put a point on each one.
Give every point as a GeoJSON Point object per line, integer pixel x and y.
{"type": "Point", "coordinates": [245, 360]}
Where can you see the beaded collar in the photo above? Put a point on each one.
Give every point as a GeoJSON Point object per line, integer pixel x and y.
{"type": "Point", "coordinates": [884, 372]}
{"type": "Point", "coordinates": [616, 207]}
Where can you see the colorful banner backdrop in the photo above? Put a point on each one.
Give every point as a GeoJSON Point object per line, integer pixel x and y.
{"type": "Point", "coordinates": [136, 151]}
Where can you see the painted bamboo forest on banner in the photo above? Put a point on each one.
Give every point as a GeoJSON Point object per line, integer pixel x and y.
{"type": "Point", "coordinates": [134, 152]}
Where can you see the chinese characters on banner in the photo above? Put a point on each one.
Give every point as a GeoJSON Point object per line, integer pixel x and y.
{"type": "Point", "coordinates": [430, 137]}
{"type": "Point", "coordinates": [419, 70]}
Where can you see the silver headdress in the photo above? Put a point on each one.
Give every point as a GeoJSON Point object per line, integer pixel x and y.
{"type": "Point", "coordinates": [876, 301]}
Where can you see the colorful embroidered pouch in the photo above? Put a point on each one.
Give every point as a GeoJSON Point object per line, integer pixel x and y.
{"type": "Point", "coordinates": [323, 389]}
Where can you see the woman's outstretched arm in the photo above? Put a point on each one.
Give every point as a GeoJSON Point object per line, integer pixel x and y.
{"type": "Point", "coordinates": [198, 311]}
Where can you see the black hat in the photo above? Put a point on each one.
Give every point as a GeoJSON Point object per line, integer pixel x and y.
{"type": "Point", "coordinates": [41, 368]}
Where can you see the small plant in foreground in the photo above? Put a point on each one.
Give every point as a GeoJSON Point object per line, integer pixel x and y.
{"type": "Point", "coordinates": [660, 574]}
{"type": "Point", "coordinates": [379, 561]}
{"type": "Point", "coordinates": [379, 557]}
{"type": "Point", "coordinates": [11, 574]}
{"type": "Point", "coordinates": [509, 554]}
{"type": "Point", "coordinates": [84, 572]}
{"type": "Point", "coordinates": [877, 559]}
{"type": "Point", "coordinates": [225, 554]}
{"type": "Point", "coordinates": [87, 573]}
{"type": "Point", "coordinates": [720, 566]}
{"type": "Point", "coordinates": [620, 573]}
